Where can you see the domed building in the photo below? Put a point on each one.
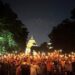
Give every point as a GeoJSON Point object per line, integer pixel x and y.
{"type": "Point", "coordinates": [30, 43]}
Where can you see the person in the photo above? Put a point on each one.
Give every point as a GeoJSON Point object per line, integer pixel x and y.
{"type": "Point", "coordinates": [68, 68]}
{"type": "Point", "coordinates": [33, 69]}
{"type": "Point", "coordinates": [49, 67]}
{"type": "Point", "coordinates": [73, 67]}
{"type": "Point", "coordinates": [43, 68]}
{"type": "Point", "coordinates": [38, 69]}
{"type": "Point", "coordinates": [18, 70]}
{"type": "Point", "coordinates": [25, 69]}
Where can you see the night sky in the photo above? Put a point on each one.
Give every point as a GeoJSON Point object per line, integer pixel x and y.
{"type": "Point", "coordinates": [40, 16]}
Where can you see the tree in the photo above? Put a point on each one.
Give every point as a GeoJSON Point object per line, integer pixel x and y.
{"type": "Point", "coordinates": [44, 47]}
{"type": "Point", "coordinates": [63, 35]}
{"type": "Point", "coordinates": [7, 44]}
{"type": "Point", "coordinates": [73, 14]}
{"type": "Point", "coordinates": [9, 21]}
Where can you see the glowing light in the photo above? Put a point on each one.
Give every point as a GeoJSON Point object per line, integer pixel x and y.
{"type": "Point", "coordinates": [34, 53]}
{"type": "Point", "coordinates": [30, 43]}
{"type": "Point", "coordinates": [43, 54]}
{"type": "Point", "coordinates": [60, 50]}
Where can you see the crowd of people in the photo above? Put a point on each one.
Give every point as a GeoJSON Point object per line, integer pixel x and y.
{"type": "Point", "coordinates": [52, 63]}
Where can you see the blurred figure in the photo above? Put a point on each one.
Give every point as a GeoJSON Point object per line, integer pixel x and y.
{"type": "Point", "coordinates": [25, 69]}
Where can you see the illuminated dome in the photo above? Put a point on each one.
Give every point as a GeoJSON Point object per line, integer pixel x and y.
{"type": "Point", "coordinates": [30, 43]}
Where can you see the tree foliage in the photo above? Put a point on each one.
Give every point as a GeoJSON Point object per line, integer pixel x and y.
{"type": "Point", "coordinates": [63, 35]}
{"type": "Point", "coordinates": [9, 21]}
{"type": "Point", "coordinates": [44, 47]}
{"type": "Point", "coordinates": [73, 14]}
{"type": "Point", "coordinates": [7, 43]}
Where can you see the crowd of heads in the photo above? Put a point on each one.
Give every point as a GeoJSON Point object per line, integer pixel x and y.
{"type": "Point", "coordinates": [51, 63]}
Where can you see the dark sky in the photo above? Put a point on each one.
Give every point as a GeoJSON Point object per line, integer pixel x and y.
{"type": "Point", "coordinates": [40, 16]}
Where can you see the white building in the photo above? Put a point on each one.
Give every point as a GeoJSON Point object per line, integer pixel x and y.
{"type": "Point", "coordinates": [30, 43]}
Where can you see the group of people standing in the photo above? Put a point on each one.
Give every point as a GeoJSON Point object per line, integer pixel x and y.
{"type": "Point", "coordinates": [21, 64]}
